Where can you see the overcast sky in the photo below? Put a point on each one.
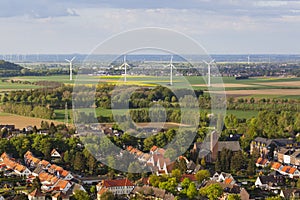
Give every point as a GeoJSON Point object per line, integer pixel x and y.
{"type": "Point", "coordinates": [77, 26]}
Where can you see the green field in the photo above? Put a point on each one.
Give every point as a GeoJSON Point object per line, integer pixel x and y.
{"type": "Point", "coordinates": [7, 86]}
{"type": "Point", "coordinates": [60, 114]}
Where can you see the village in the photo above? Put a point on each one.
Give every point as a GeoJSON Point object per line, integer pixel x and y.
{"type": "Point", "coordinates": [276, 173]}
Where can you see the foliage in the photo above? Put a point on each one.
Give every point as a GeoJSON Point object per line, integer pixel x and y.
{"type": "Point", "coordinates": [234, 197]}
{"type": "Point", "coordinates": [202, 175]}
{"type": "Point", "coordinates": [213, 191]}
{"type": "Point", "coordinates": [81, 195]}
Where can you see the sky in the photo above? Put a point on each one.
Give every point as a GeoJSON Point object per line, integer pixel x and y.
{"type": "Point", "coordinates": [221, 27]}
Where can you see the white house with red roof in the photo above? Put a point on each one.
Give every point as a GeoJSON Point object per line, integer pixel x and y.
{"type": "Point", "coordinates": [117, 187]}
{"type": "Point", "coordinates": [7, 163]}
{"type": "Point", "coordinates": [55, 154]}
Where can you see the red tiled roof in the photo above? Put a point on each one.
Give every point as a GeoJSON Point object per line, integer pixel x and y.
{"type": "Point", "coordinates": [117, 183]}
{"type": "Point", "coordinates": [36, 193]}
{"type": "Point", "coordinates": [228, 180]}
{"type": "Point", "coordinates": [62, 184]}
{"type": "Point", "coordinates": [192, 177]}
{"type": "Point", "coordinates": [292, 170]}
{"type": "Point", "coordinates": [153, 148]}
{"type": "Point", "coordinates": [285, 169]}
{"type": "Point", "coordinates": [276, 165]}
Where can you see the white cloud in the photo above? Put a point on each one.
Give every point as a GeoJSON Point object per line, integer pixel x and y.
{"type": "Point", "coordinates": [223, 26]}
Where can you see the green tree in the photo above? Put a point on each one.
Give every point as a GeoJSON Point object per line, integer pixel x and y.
{"type": "Point", "coordinates": [201, 175]}
{"type": "Point", "coordinates": [185, 185]}
{"type": "Point", "coordinates": [177, 174]}
{"type": "Point", "coordinates": [107, 196]}
{"type": "Point", "coordinates": [79, 163]}
{"type": "Point", "coordinates": [234, 197]}
{"type": "Point", "coordinates": [81, 195]}
{"type": "Point", "coordinates": [169, 185]}
{"type": "Point", "coordinates": [212, 192]}
{"type": "Point", "coordinates": [191, 191]}
{"type": "Point", "coordinates": [36, 184]}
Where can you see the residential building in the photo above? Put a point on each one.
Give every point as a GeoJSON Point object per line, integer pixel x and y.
{"type": "Point", "coordinates": [117, 187]}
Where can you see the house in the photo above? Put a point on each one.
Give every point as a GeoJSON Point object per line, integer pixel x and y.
{"type": "Point", "coordinates": [295, 158]}
{"type": "Point", "coordinates": [268, 182]}
{"type": "Point", "coordinates": [10, 164]}
{"type": "Point", "coordinates": [59, 196]}
{"type": "Point", "coordinates": [262, 162]}
{"type": "Point", "coordinates": [223, 178]}
{"type": "Point", "coordinates": [117, 187]}
{"type": "Point", "coordinates": [266, 147]}
{"type": "Point", "coordinates": [44, 164]}
{"type": "Point", "coordinates": [290, 193]}
{"type": "Point", "coordinates": [149, 192]}
{"type": "Point", "coordinates": [55, 154]}
{"type": "Point", "coordinates": [62, 185]}
{"type": "Point", "coordinates": [159, 164]}
{"type": "Point", "coordinates": [36, 195]}
{"type": "Point", "coordinates": [292, 172]}
{"type": "Point", "coordinates": [284, 155]}
{"type": "Point", "coordinates": [30, 160]}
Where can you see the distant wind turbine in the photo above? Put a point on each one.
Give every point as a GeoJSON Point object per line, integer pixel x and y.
{"type": "Point", "coordinates": [248, 60]}
{"type": "Point", "coordinates": [125, 65]}
{"type": "Point", "coordinates": [71, 65]}
{"type": "Point", "coordinates": [171, 70]}
{"type": "Point", "coordinates": [208, 73]}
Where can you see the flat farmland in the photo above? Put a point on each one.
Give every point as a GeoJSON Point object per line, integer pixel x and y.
{"type": "Point", "coordinates": [23, 121]}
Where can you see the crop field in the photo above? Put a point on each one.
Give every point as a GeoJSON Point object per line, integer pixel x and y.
{"type": "Point", "coordinates": [8, 86]}
{"type": "Point", "coordinates": [22, 121]}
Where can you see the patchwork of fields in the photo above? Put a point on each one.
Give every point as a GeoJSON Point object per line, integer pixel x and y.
{"type": "Point", "coordinates": [253, 87]}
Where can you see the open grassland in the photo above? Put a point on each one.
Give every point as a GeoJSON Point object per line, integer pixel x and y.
{"type": "Point", "coordinates": [8, 86]}
{"type": "Point", "coordinates": [60, 114]}
{"type": "Point", "coordinates": [22, 121]}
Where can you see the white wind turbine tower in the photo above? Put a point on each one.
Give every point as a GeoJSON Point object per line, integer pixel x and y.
{"type": "Point", "coordinates": [208, 72]}
{"type": "Point", "coordinates": [248, 59]}
{"type": "Point", "coordinates": [171, 70]}
{"type": "Point", "coordinates": [125, 65]}
{"type": "Point", "coordinates": [71, 66]}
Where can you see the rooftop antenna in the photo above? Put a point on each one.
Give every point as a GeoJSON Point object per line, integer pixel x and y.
{"type": "Point", "coordinates": [208, 72]}
{"type": "Point", "coordinates": [125, 65]}
{"type": "Point", "coordinates": [171, 70]}
{"type": "Point", "coordinates": [71, 65]}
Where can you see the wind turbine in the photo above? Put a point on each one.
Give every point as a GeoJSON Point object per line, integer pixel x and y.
{"type": "Point", "coordinates": [125, 65]}
{"type": "Point", "coordinates": [71, 65]}
{"type": "Point", "coordinates": [208, 73]}
{"type": "Point", "coordinates": [171, 70]}
{"type": "Point", "coordinates": [248, 59]}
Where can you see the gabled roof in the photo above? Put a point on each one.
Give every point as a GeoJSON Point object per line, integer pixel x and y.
{"type": "Point", "coordinates": [44, 163]}
{"type": "Point", "coordinates": [154, 148]}
{"type": "Point", "coordinates": [262, 161]}
{"type": "Point", "coordinates": [191, 177]}
{"type": "Point", "coordinates": [117, 183]}
{"type": "Point", "coordinates": [276, 165]}
{"type": "Point", "coordinates": [36, 193]}
{"type": "Point", "coordinates": [296, 154]}
{"type": "Point", "coordinates": [267, 179]}
{"type": "Point", "coordinates": [231, 145]}
{"type": "Point", "coordinates": [62, 184]}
